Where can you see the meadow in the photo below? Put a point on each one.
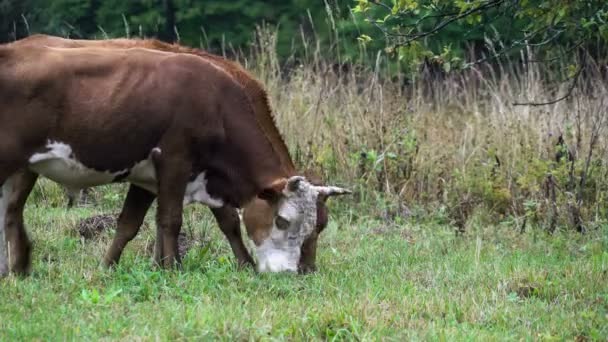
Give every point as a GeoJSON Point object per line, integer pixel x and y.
{"type": "Point", "coordinates": [471, 219]}
{"type": "Point", "coordinates": [376, 281]}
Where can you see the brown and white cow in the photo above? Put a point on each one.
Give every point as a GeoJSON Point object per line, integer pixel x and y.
{"type": "Point", "coordinates": [258, 226]}
{"type": "Point", "coordinates": [170, 124]}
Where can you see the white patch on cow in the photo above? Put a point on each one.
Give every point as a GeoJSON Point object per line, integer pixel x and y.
{"type": "Point", "coordinates": [56, 150]}
{"type": "Point", "coordinates": [5, 193]}
{"type": "Point", "coordinates": [280, 251]}
{"type": "Point", "coordinates": [59, 165]}
{"type": "Point", "coordinates": [143, 174]}
{"type": "Point", "coordinates": [196, 192]}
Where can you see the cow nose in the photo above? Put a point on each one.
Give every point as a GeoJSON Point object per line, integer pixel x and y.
{"type": "Point", "coordinates": [276, 262]}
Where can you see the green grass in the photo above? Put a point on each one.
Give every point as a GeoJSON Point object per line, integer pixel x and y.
{"type": "Point", "coordinates": [375, 281]}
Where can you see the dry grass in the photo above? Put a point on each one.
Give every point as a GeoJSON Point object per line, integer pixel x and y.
{"type": "Point", "coordinates": [454, 142]}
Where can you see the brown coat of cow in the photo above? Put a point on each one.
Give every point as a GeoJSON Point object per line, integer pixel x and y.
{"type": "Point", "coordinates": [234, 188]}
{"type": "Point", "coordinates": [257, 213]}
{"type": "Point", "coordinates": [86, 98]}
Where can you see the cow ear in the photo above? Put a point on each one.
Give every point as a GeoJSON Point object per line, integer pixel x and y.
{"type": "Point", "coordinates": [273, 192]}
{"type": "Point", "coordinates": [293, 184]}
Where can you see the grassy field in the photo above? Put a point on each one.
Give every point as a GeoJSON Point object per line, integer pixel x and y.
{"type": "Point", "coordinates": [376, 280]}
{"type": "Point", "coordinates": [424, 158]}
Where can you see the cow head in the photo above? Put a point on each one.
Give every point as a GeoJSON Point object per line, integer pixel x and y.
{"type": "Point", "coordinates": [285, 222]}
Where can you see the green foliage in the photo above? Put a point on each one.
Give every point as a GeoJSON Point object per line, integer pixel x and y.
{"type": "Point", "coordinates": [417, 28]}
{"type": "Point", "coordinates": [216, 24]}
{"type": "Point", "coordinates": [411, 30]}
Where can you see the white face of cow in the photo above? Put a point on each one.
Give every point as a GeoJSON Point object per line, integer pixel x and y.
{"type": "Point", "coordinates": [293, 223]}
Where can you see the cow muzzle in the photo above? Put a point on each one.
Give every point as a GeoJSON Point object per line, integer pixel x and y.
{"type": "Point", "coordinates": [273, 259]}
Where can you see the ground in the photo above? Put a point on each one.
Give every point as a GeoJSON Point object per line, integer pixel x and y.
{"type": "Point", "coordinates": [376, 280]}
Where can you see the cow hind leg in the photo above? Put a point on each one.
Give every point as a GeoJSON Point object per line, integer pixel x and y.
{"type": "Point", "coordinates": [228, 220]}
{"type": "Point", "coordinates": [5, 188]}
{"type": "Point", "coordinates": [173, 176]}
{"type": "Point", "coordinates": [134, 209]}
{"type": "Point", "coordinates": [20, 247]}
{"type": "Point", "coordinates": [12, 160]}
{"type": "Point", "coordinates": [13, 195]}
{"type": "Point", "coordinates": [158, 247]}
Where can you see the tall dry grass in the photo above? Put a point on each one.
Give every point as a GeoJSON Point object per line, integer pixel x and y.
{"type": "Point", "coordinates": [454, 145]}
{"type": "Point", "coordinates": [448, 146]}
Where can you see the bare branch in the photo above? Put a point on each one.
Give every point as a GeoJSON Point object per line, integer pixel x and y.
{"type": "Point", "coordinates": [526, 42]}
{"type": "Point", "coordinates": [556, 58]}
{"type": "Point", "coordinates": [381, 4]}
{"type": "Point", "coordinates": [410, 37]}
{"type": "Point", "coordinates": [561, 98]}
{"type": "Point", "coordinates": [516, 44]}
{"type": "Point", "coordinates": [430, 16]}
{"type": "Point", "coordinates": [548, 40]}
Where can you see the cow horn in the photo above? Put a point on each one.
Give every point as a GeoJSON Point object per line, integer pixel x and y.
{"type": "Point", "coordinates": [332, 191]}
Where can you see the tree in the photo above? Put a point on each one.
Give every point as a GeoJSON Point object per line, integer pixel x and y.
{"type": "Point", "coordinates": [168, 33]}
{"type": "Point", "coordinates": [423, 28]}
{"type": "Point", "coordinates": [215, 24]}
{"type": "Point", "coordinates": [13, 20]}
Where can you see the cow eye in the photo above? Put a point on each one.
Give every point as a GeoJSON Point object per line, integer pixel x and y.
{"type": "Point", "coordinates": [281, 223]}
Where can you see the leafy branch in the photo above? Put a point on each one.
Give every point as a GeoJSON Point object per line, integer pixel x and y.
{"type": "Point", "coordinates": [448, 18]}
{"type": "Point", "coordinates": [545, 28]}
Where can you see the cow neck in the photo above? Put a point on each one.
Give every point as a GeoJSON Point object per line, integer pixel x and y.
{"type": "Point", "coordinates": [265, 119]}
{"type": "Point", "coordinates": [266, 161]}
{"type": "Point", "coordinates": [256, 93]}
{"type": "Point", "coordinates": [246, 160]}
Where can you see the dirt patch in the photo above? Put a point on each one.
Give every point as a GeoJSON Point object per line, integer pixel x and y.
{"type": "Point", "coordinates": [94, 226]}
{"type": "Point", "coordinates": [524, 289]}
{"type": "Point", "coordinates": [183, 243]}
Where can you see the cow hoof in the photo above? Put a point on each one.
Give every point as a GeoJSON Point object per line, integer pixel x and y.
{"type": "Point", "coordinates": [307, 269]}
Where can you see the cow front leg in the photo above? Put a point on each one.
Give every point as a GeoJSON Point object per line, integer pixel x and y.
{"type": "Point", "coordinates": [228, 220]}
{"type": "Point", "coordinates": [172, 179]}
{"type": "Point", "coordinates": [134, 210]}
{"type": "Point", "coordinates": [20, 247]}
{"type": "Point", "coordinates": [158, 247]}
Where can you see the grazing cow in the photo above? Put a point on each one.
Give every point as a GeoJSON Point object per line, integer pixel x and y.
{"type": "Point", "coordinates": [258, 226]}
{"type": "Point", "coordinates": [191, 134]}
